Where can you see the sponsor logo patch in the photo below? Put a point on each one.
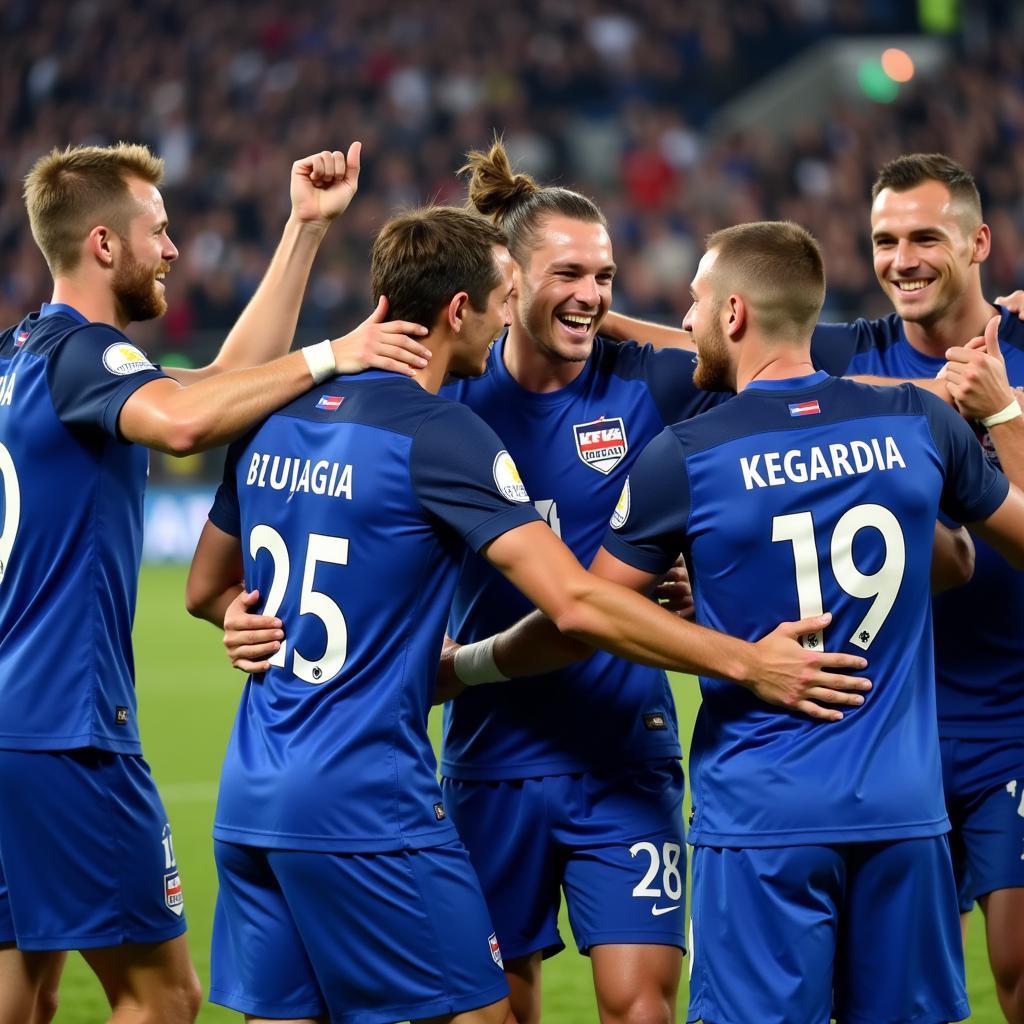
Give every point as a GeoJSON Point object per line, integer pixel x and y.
{"type": "Point", "coordinates": [439, 812]}
{"type": "Point", "coordinates": [172, 893]}
{"type": "Point", "coordinates": [507, 478]}
{"type": "Point", "coordinates": [804, 409]}
{"type": "Point", "coordinates": [120, 715]}
{"type": "Point", "coordinates": [330, 402]}
{"type": "Point", "coordinates": [124, 358]}
{"type": "Point", "coordinates": [621, 512]}
{"type": "Point", "coordinates": [655, 721]}
{"type": "Point", "coordinates": [601, 444]}
{"type": "Point", "coordinates": [492, 941]}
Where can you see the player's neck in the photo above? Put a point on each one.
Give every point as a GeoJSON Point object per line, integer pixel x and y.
{"type": "Point", "coordinates": [774, 365]}
{"type": "Point", "coordinates": [94, 303]}
{"type": "Point", "coordinates": [533, 367]}
{"type": "Point", "coordinates": [964, 320]}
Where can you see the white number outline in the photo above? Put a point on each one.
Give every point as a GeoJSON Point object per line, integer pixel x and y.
{"type": "Point", "coordinates": [883, 585]}
{"type": "Point", "coordinates": [12, 508]}
{"type": "Point", "coordinates": [671, 877]}
{"type": "Point", "coordinates": [320, 547]}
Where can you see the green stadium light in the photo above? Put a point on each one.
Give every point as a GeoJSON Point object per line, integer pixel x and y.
{"type": "Point", "coordinates": [875, 83]}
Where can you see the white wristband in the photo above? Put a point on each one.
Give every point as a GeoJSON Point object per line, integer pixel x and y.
{"type": "Point", "coordinates": [320, 360]}
{"type": "Point", "coordinates": [474, 663]}
{"type": "Point", "coordinates": [1011, 412]}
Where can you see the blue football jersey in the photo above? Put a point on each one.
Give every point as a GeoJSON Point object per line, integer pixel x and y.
{"type": "Point", "coordinates": [800, 496]}
{"type": "Point", "coordinates": [353, 505]}
{"type": "Point", "coordinates": [979, 641]}
{"type": "Point", "coordinates": [573, 447]}
{"type": "Point", "coordinates": [71, 493]}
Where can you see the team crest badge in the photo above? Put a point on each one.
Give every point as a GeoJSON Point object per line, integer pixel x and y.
{"type": "Point", "coordinates": [601, 444]}
{"type": "Point", "coordinates": [172, 893]}
{"type": "Point", "coordinates": [492, 941]}
{"type": "Point", "coordinates": [124, 358]}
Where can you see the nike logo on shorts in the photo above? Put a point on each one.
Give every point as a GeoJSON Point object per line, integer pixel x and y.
{"type": "Point", "coordinates": [657, 911]}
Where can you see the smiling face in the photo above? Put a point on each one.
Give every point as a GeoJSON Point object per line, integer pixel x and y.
{"type": "Point", "coordinates": [926, 250]}
{"type": "Point", "coordinates": [565, 290]}
{"type": "Point", "coordinates": [146, 255]}
{"type": "Point", "coordinates": [480, 330]}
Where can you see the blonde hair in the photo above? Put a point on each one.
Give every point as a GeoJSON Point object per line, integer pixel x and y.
{"type": "Point", "coordinates": [69, 191]}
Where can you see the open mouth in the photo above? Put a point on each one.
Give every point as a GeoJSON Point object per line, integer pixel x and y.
{"type": "Point", "coordinates": [912, 287]}
{"type": "Point", "coordinates": [576, 323]}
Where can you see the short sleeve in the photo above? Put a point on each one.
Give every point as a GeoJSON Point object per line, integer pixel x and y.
{"type": "Point", "coordinates": [224, 513]}
{"type": "Point", "coordinates": [669, 376]}
{"type": "Point", "coordinates": [833, 346]}
{"type": "Point", "coordinates": [973, 487]}
{"type": "Point", "coordinates": [463, 475]}
{"type": "Point", "coordinates": [93, 373]}
{"type": "Point", "coordinates": [648, 526]}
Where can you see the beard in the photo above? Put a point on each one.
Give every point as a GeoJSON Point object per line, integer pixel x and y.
{"type": "Point", "coordinates": [135, 289]}
{"type": "Point", "coordinates": [713, 372]}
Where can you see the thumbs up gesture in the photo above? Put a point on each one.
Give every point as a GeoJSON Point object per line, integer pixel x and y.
{"type": "Point", "coordinates": [976, 375]}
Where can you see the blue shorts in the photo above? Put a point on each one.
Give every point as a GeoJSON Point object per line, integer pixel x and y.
{"type": "Point", "coordinates": [86, 858]}
{"type": "Point", "coordinates": [364, 938]}
{"type": "Point", "coordinates": [866, 932]}
{"type": "Point", "coordinates": [612, 840]}
{"type": "Point", "coordinates": [984, 784]}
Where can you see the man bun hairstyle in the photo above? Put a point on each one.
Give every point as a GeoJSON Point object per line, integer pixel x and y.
{"type": "Point", "coordinates": [69, 191]}
{"type": "Point", "coordinates": [913, 169]}
{"type": "Point", "coordinates": [778, 269]}
{"type": "Point", "coordinates": [517, 202]}
{"type": "Point", "coordinates": [423, 257]}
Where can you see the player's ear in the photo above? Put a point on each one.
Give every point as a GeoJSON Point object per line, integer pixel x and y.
{"type": "Point", "coordinates": [734, 315]}
{"type": "Point", "coordinates": [101, 243]}
{"type": "Point", "coordinates": [458, 307]}
{"type": "Point", "coordinates": [981, 244]}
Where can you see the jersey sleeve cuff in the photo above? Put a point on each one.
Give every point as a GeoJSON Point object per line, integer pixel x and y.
{"type": "Point", "coordinates": [112, 410]}
{"type": "Point", "coordinates": [501, 523]}
{"type": "Point", "coordinates": [638, 558]}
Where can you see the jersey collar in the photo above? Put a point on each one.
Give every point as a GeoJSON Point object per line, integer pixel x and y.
{"type": "Point", "coordinates": [789, 383]}
{"type": "Point", "coordinates": [53, 308]}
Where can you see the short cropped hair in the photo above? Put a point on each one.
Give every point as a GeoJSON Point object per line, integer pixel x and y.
{"type": "Point", "coordinates": [517, 202]}
{"type": "Point", "coordinates": [69, 191]}
{"type": "Point", "coordinates": [778, 269]}
{"type": "Point", "coordinates": [913, 169]}
{"type": "Point", "coordinates": [423, 257]}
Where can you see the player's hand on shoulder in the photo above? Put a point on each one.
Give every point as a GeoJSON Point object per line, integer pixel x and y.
{"type": "Point", "coordinates": [250, 639]}
{"type": "Point", "coordinates": [674, 591]}
{"type": "Point", "coordinates": [381, 344]}
{"type": "Point", "coordinates": [976, 375]}
{"type": "Point", "coordinates": [806, 678]}
{"type": "Point", "coordinates": [1014, 302]}
{"type": "Point", "coordinates": [323, 184]}
{"type": "Point", "coordinates": [448, 684]}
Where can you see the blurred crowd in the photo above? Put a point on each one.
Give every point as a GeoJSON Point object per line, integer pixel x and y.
{"type": "Point", "coordinates": [615, 100]}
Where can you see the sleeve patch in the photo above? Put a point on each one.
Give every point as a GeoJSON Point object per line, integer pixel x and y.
{"type": "Point", "coordinates": [122, 359]}
{"type": "Point", "coordinates": [507, 478]}
{"type": "Point", "coordinates": [621, 511]}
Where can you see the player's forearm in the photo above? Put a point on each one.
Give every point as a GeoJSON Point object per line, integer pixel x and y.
{"type": "Point", "coordinates": [628, 624]}
{"type": "Point", "coordinates": [952, 558]}
{"type": "Point", "coordinates": [1008, 439]}
{"type": "Point", "coordinates": [266, 327]}
{"type": "Point", "coordinates": [625, 328]}
{"type": "Point", "coordinates": [219, 409]}
{"type": "Point", "coordinates": [211, 607]}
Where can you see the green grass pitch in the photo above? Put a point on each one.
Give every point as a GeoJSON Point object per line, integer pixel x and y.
{"type": "Point", "coordinates": [187, 697]}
